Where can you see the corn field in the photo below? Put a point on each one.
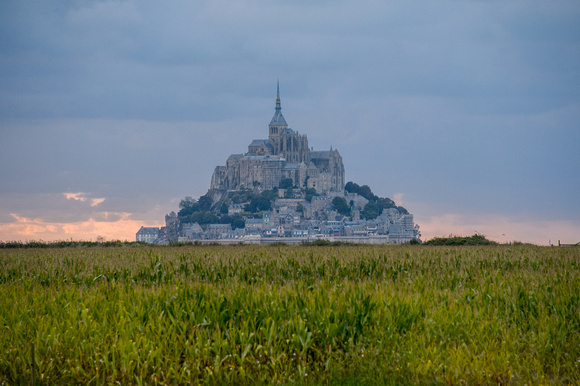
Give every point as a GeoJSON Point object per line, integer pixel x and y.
{"type": "Point", "coordinates": [290, 314]}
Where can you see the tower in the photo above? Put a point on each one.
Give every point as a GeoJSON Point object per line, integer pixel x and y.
{"type": "Point", "coordinates": [285, 141]}
{"type": "Point", "coordinates": [278, 125]}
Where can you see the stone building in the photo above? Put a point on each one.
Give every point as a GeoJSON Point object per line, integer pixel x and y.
{"type": "Point", "coordinates": [148, 234]}
{"type": "Point", "coordinates": [285, 154]}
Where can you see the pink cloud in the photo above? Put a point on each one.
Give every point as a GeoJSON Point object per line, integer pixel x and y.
{"type": "Point", "coordinates": [398, 198]}
{"type": "Point", "coordinates": [79, 196]}
{"type": "Point", "coordinates": [82, 197]}
{"type": "Point", "coordinates": [124, 228]}
{"type": "Point", "coordinates": [96, 201]}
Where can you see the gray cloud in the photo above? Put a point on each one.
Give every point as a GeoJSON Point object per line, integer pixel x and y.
{"type": "Point", "coordinates": [471, 105]}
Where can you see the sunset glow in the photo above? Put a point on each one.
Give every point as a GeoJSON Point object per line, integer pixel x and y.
{"type": "Point", "coordinates": [26, 229]}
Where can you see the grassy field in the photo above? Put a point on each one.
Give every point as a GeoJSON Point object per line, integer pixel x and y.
{"type": "Point", "coordinates": [257, 314]}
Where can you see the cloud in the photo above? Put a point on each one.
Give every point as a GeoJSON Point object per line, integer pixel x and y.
{"type": "Point", "coordinates": [57, 208]}
{"type": "Point", "coordinates": [76, 196]}
{"type": "Point", "coordinates": [78, 216]}
{"type": "Point", "coordinates": [84, 197]}
{"type": "Point", "coordinates": [105, 58]}
{"type": "Point", "coordinates": [398, 198]}
{"type": "Point", "coordinates": [28, 229]}
{"type": "Point", "coordinates": [97, 201]}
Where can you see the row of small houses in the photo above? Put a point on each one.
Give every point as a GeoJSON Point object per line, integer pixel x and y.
{"type": "Point", "coordinates": [287, 228]}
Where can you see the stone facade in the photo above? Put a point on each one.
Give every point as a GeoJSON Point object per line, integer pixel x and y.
{"type": "Point", "coordinates": [172, 226]}
{"type": "Point", "coordinates": [285, 154]}
{"type": "Point", "coordinates": [148, 234]}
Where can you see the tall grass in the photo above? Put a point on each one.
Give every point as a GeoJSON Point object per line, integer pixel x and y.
{"type": "Point", "coordinates": [258, 314]}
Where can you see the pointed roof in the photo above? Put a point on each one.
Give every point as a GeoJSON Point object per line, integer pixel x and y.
{"type": "Point", "coordinates": [278, 118]}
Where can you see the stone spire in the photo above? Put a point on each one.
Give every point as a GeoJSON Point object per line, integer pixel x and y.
{"type": "Point", "coordinates": [278, 105]}
{"type": "Point", "coordinates": [278, 118]}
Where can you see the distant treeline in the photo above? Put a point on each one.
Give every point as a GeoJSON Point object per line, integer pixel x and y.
{"type": "Point", "coordinates": [118, 243]}
{"type": "Point", "coordinates": [459, 240]}
{"type": "Point", "coordinates": [69, 244]}
{"type": "Point", "coordinates": [446, 241]}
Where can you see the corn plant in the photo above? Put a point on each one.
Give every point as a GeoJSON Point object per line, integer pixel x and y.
{"type": "Point", "coordinates": [283, 314]}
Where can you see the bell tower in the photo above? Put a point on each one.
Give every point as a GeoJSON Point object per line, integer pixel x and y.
{"type": "Point", "coordinates": [277, 125]}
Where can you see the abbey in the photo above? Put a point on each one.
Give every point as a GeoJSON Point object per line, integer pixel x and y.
{"type": "Point", "coordinates": [285, 154]}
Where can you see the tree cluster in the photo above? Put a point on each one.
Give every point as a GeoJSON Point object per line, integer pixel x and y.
{"type": "Point", "coordinates": [341, 205]}
{"type": "Point", "coordinates": [375, 205]}
{"type": "Point", "coordinates": [476, 239]}
{"type": "Point", "coordinates": [309, 193]}
{"type": "Point", "coordinates": [200, 211]}
{"type": "Point", "coordinates": [261, 202]}
{"type": "Point", "coordinates": [194, 211]}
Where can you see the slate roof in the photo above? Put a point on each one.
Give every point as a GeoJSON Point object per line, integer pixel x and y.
{"type": "Point", "coordinates": [320, 154]}
{"type": "Point", "coordinates": [235, 156]}
{"type": "Point", "coordinates": [148, 231]}
{"type": "Point", "coordinates": [278, 119]}
{"type": "Point", "coordinates": [259, 142]}
{"type": "Point", "coordinates": [267, 157]}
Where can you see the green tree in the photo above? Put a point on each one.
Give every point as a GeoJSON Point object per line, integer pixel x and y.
{"type": "Point", "coordinates": [225, 219]}
{"type": "Point", "coordinates": [259, 203]}
{"type": "Point", "coordinates": [210, 218]}
{"type": "Point", "coordinates": [364, 191]}
{"type": "Point", "coordinates": [341, 205]}
{"type": "Point", "coordinates": [384, 203]}
{"type": "Point", "coordinates": [188, 206]}
{"type": "Point", "coordinates": [370, 211]}
{"type": "Point", "coordinates": [238, 222]}
{"type": "Point", "coordinates": [309, 193]}
{"type": "Point", "coordinates": [187, 202]}
{"type": "Point", "coordinates": [270, 194]}
{"type": "Point", "coordinates": [476, 239]}
{"type": "Point", "coordinates": [205, 203]}
{"type": "Point", "coordinates": [286, 183]}
{"type": "Point", "coordinates": [204, 218]}
{"type": "Point", "coordinates": [351, 187]}
{"type": "Point", "coordinates": [367, 193]}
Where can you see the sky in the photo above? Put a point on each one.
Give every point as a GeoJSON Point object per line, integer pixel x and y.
{"type": "Point", "coordinates": [467, 113]}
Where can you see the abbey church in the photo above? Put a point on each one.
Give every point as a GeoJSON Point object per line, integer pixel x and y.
{"type": "Point", "coordinates": [285, 154]}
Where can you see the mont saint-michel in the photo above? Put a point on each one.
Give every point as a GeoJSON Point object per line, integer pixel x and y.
{"type": "Point", "coordinates": [283, 190]}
